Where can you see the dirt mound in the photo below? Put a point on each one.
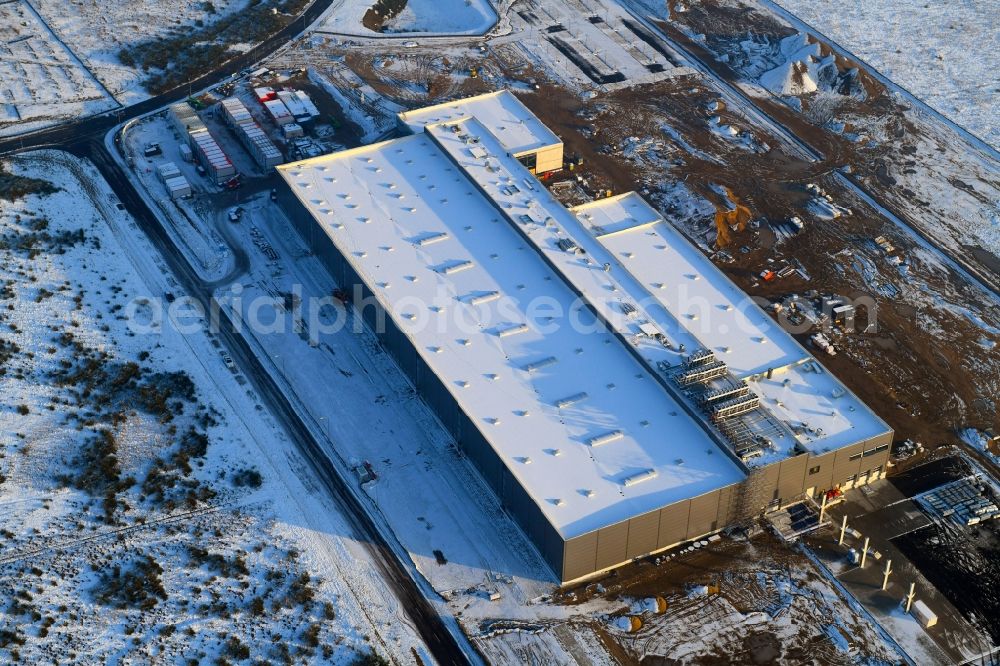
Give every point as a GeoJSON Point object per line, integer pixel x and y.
{"type": "Point", "coordinates": [381, 12]}
{"type": "Point", "coordinates": [727, 220]}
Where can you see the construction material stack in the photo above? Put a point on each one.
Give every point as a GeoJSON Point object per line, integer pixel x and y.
{"type": "Point", "coordinates": [257, 143]}
{"type": "Point", "coordinates": [211, 156]}
{"type": "Point", "coordinates": [177, 185]}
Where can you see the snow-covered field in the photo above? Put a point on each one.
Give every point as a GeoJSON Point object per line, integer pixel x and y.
{"type": "Point", "coordinates": [945, 53]}
{"type": "Point", "coordinates": [97, 30]}
{"type": "Point", "coordinates": [41, 81]}
{"type": "Point", "coordinates": [152, 511]}
{"type": "Point", "coordinates": [426, 17]}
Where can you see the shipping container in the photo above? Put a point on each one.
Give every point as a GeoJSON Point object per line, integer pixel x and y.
{"type": "Point", "coordinates": [265, 94]}
{"type": "Point", "coordinates": [292, 131]}
{"type": "Point", "coordinates": [167, 170]}
{"type": "Point", "coordinates": [294, 106]}
{"type": "Point", "coordinates": [178, 187]}
{"type": "Point", "coordinates": [259, 145]}
{"type": "Point", "coordinates": [307, 103]}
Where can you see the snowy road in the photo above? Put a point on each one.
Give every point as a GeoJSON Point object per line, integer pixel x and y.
{"type": "Point", "coordinates": [443, 643]}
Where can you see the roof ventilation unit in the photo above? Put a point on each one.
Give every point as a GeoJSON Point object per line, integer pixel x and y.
{"type": "Point", "coordinates": [571, 400]}
{"type": "Point", "coordinates": [432, 238]}
{"type": "Point", "coordinates": [484, 298]}
{"type": "Point", "coordinates": [605, 438]}
{"type": "Point", "coordinates": [700, 356]}
{"type": "Point", "coordinates": [539, 364]}
{"type": "Point", "coordinates": [513, 329]}
{"type": "Point", "coordinates": [456, 267]}
{"type": "Point", "coordinates": [634, 479]}
{"type": "Point", "coordinates": [735, 407]}
{"type": "Point", "coordinates": [724, 394]}
{"type": "Point", "coordinates": [702, 373]}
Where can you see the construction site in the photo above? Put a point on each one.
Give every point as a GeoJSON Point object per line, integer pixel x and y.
{"type": "Point", "coordinates": [736, 385]}
{"type": "Point", "coordinates": [847, 282]}
{"type": "Point", "coordinates": [866, 325]}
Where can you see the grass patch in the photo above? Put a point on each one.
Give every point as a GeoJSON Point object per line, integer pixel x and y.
{"type": "Point", "coordinates": [191, 50]}
{"type": "Point", "coordinates": [14, 187]}
{"type": "Point", "coordinates": [136, 585]}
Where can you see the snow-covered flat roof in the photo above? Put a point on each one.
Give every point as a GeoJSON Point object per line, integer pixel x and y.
{"type": "Point", "coordinates": [678, 275]}
{"type": "Point", "coordinates": [579, 421]}
{"type": "Point", "coordinates": [501, 112]}
{"type": "Point", "coordinates": [815, 405]}
{"type": "Point", "coordinates": [673, 288]}
{"type": "Point", "coordinates": [822, 413]}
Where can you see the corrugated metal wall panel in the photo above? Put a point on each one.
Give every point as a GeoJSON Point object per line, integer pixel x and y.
{"type": "Point", "coordinates": [553, 548]}
{"type": "Point", "coordinates": [769, 479]}
{"type": "Point", "coordinates": [870, 463]}
{"type": "Point", "coordinates": [548, 159]}
{"type": "Point", "coordinates": [727, 504]}
{"type": "Point", "coordinates": [520, 505]}
{"type": "Point", "coordinates": [580, 556]}
{"type": "Point", "coordinates": [843, 466]}
{"type": "Point", "coordinates": [822, 479]}
{"type": "Point", "coordinates": [611, 543]}
{"type": "Point", "coordinates": [704, 514]}
{"type": "Point", "coordinates": [643, 532]}
{"type": "Point", "coordinates": [481, 454]}
{"type": "Point", "coordinates": [791, 476]}
{"type": "Point", "coordinates": [673, 523]}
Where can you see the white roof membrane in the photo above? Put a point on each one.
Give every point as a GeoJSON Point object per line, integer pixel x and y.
{"type": "Point", "coordinates": [501, 112]}
{"type": "Point", "coordinates": [573, 415]}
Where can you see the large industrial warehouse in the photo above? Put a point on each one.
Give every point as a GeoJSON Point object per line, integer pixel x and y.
{"type": "Point", "coordinates": [617, 391]}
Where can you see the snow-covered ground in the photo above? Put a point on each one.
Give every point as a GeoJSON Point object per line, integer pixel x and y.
{"type": "Point", "coordinates": [60, 60]}
{"type": "Point", "coordinates": [41, 81]}
{"type": "Point", "coordinates": [423, 17]}
{"type": "Point", "coordinates": [232, 550]}
{"type": "Point", "coordinates": [945, 53]}
{"type": "Point", "coordinates": [97, 30]}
